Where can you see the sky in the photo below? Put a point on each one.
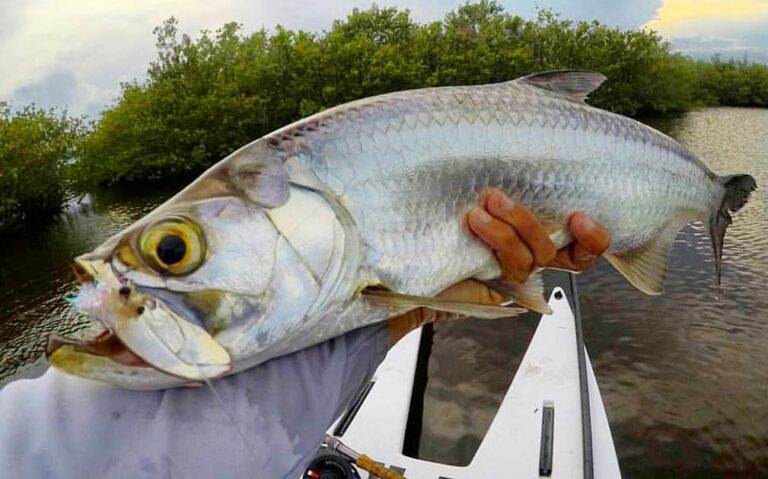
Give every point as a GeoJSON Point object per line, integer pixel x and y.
{"type": "Point", "coordinates": [74, 54]}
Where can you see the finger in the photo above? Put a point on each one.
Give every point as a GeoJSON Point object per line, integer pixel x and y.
{"type": "Point", "coordinates": [591, 236]}
{"type": "Point", "coordinates": [405, 323]}
{"type": "Point", "coordinates": [574, 258]}
{"type": "Point", "coordinates": [472, 291]}
{"type": "Point", "coordinates": [582, 258]}
{"type": "Point", "coordinates": [563, 260]}
{"type": "Point", "coordinates": [516, 265]}
{"type": "Point", "coordinates": [526, 225]}
{"type": "Point", "coordinates": [494, 232]}
{"type": "Point", "coordinates": [515, 257]}
{"type": "Point", "coordinates": [484, 195]}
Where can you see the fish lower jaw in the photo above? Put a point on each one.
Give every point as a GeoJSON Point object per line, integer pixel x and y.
{"type": "Point", "coordinates": [107, 344]}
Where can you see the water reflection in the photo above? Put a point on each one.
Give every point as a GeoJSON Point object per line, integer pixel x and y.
{"type": "Point", "coordinates": [35, 271]}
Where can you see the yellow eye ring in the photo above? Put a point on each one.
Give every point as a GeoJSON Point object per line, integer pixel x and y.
{"type": "Point", "coordinates": [174, 246]}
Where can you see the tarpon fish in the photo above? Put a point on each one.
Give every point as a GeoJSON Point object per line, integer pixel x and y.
{"type": "Point", "coordinates": [357, 214]}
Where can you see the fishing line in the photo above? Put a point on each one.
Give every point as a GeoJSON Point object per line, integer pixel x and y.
{"type": "Point", "coordinates": [93, 299]}
{"type": "Point", "coordinates": [231, 417]}
{"type": "Point", "coordinates": [223, 406]}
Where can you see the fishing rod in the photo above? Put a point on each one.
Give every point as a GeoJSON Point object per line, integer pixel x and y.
{"type": "Point", "coordinates": [586, 419]}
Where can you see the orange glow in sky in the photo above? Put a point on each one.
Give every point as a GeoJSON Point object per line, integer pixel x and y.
{"type": "Point", "coordinates": [676, 12]}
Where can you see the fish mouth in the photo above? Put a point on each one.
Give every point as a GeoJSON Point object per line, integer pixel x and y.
{"type": "Point", "coordinates": [106, 359]}
{"type": "Point", "coordinates": [106, 345]}
{"type": "Point", "coordinates": [142, 333]}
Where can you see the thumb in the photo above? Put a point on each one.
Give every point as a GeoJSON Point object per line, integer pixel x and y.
{"type": "Point", "coordinates": [591, 236]}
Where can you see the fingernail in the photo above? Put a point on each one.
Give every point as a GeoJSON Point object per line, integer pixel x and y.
{"type": "Point", "coordinates": [504, 201]}
{"type": "Point", "coordinates": [585, 258]}
{"type": "Point", "coordinates": [587, 225]}
{"type": "Point", "coordinates": [480, 215]}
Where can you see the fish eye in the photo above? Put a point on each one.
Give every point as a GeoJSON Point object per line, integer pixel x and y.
{"type": "Point", "coordinates": [173, 246]}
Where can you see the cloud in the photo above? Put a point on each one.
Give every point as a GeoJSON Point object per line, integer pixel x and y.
{"type": "Point", "coordinates": [704, 28]}
{"type": "Point", "coordinates": [620, 13]}
{"type": "Point", "coordinates": [48, 44]}
{"type": "Point", "coordinates": [58, 87]}
{"type": "Point", "coordinates": [705, 48]}
{"type": "Point", "coordinates": [678, 16]}
{"type": "Point", "coordinates": [75, 53]}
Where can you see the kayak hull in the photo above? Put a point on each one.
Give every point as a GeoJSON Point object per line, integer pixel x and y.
{"type": "Point", "coordinates": [547, 376]}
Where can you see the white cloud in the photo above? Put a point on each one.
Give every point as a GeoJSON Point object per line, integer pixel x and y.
{"type": "Point", "coordinates": [75, 53]}
{"type": "Point", "coordinates": [704, 28]}
{"type": "Point", "coordinates": [705, 48]}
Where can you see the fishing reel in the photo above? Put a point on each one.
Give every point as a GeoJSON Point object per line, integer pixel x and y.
{"type": "Point", "coordinates": [330, 465]}
{"type": "Point", "coordinates": [337, 461]}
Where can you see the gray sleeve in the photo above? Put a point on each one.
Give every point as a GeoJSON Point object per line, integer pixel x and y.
{"type": "Point", "coordinates": [265, 422]}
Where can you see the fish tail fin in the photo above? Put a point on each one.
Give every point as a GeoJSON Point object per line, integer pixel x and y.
{"type": "Point", "coordinates": [737, 191]}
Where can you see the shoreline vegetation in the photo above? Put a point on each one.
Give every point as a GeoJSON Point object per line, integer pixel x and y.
{"type": "Point", "coordinates": [37, 151]}
{"type": "Point", "coordinates": [206, 97]}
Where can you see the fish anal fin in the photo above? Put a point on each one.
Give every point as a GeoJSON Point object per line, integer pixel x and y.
{"type": "Point", "coordinates": [529, 295]}
{"type": "Point", "coordinates": [404, 302]}
{"type": "Point", "coordinates": [646, 267]}
{"type": "Point", "coordinates": [574, 85]}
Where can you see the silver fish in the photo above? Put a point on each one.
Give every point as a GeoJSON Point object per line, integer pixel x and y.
{"type": "Point", "coordinates": [356, 214]}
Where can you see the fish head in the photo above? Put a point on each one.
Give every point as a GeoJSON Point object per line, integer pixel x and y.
{"type": "Point", "coordinates": [193, 291]}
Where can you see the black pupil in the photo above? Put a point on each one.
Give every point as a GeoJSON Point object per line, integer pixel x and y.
{"type": "Point", "coordinates": [171, 249]}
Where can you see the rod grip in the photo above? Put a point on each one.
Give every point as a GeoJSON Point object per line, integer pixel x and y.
{"type": "Point", "coordinates": [366, 463]}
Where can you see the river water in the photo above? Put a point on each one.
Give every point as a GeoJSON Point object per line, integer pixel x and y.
{"type": "Point", "coordinates": [684, 377]}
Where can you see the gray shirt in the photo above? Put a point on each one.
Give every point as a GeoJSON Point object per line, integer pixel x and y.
{"type": "Point", "coordinates": [268, 424]}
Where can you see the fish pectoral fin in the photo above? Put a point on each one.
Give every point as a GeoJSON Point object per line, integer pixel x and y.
{"type": "Point", "coordinates": [259, 175]}
{"type": "Point", "coordinates": [646, 267]}
{"type": "Point", "coordinates": [406, 302]}
{"type": "Point", "coordinates": [529, 295]}
{"type": "Point", "coordinates": [574, 85]}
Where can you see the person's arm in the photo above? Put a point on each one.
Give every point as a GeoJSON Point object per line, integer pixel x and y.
{"type": "Point", "coordinates": [521, 244]}
{"type": "Point", "coordinates": [265, 422]}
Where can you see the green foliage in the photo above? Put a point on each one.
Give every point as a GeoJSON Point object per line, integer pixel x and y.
{"type": "Point", "coordinates": [735, 83]}
{"type": "Point", "coordinates": [35, 149]}
{"type": "Point", "coordinates": [204, 98]}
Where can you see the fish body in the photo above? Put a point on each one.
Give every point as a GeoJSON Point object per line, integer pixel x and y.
{"type": "Point", "coordinates": [408, 164]}
{"type": "Point", "coordinates": [293, 229]}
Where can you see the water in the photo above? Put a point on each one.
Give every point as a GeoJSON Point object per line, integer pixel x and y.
{"type": "Point", "coordinates": [36, 272]}
{"type": "Point", "coordinates": [684, 378]}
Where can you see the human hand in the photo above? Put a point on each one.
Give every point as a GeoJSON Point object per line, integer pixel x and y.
{"type": "Point", "coordinates": [521, 245]}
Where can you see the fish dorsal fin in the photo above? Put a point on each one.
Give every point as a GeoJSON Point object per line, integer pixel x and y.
{"type": "Point", "coordinates": [646, 267]}
{"type": "Point", "coordinates": [528, 295]}
{"type": "Point", "coordinates": [406, 302]}
{"type": "Point", "coordinates": [575, 85]}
